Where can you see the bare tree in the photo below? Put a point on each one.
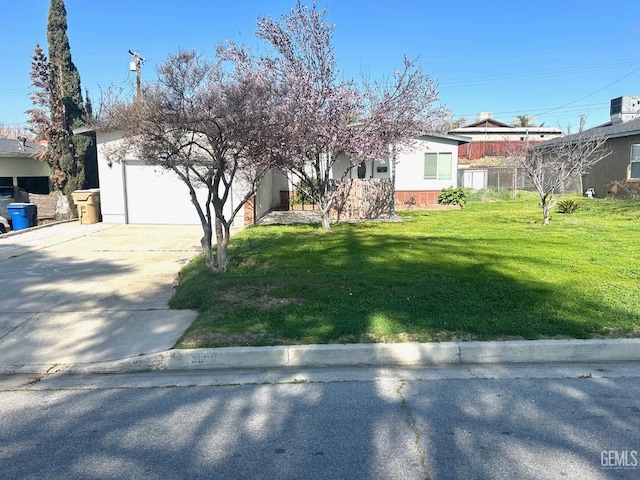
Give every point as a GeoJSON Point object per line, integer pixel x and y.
{"type": "Point", "coordinates": [554, 165]}
{"type": "Point", "coordinates": [207, 124]}
{"type": "Point", "coordinates": [451, 124]}
{"type": "Point", "coordinates": [325, 118]}
{"type": "Point", "coordinates": [15, 131]}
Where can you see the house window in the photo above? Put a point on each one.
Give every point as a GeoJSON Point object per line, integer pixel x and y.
{"type": "Point", "coordinates": [437, 166]}
{"type": "Point", "coordinates": [634, 171]}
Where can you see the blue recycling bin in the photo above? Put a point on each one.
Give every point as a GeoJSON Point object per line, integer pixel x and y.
{"type": "Point", "coordinates": [23, 215]}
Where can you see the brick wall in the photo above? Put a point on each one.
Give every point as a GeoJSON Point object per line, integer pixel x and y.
{"type": "Point", "coordinates": [420, 197]}
{"type": "Point", "coordinates": [46, 205]}
{"type": "Point", "coordinates": [249, 212]}
{"type": "Point", "coordinates": [422, 200]}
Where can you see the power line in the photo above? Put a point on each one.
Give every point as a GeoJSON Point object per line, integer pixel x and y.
{"type": "Point", "coordinates": [592, 93]}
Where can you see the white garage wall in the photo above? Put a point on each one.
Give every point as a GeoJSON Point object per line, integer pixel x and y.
{"type": "Point", "coordinates": [132, 192]}
{"type": "Point", "coordinates": [268, 194]}
{"type": "Point", "coordinates": [157, 196]}
{"type": "Point", "coordinates": [110, 173]}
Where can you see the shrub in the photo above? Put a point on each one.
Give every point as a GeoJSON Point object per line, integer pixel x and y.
{"type": "Point", "coordinates": [624, 189]}
{"type": "Point", "coordinates": [305, 192]}
{"type": "Point", "coordinates": [453, 196]}
{"type": "Point", "coordinates": [568, 206]}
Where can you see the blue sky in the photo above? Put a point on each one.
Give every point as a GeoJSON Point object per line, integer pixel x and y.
{"type": "Point", "coordinates": [556, 60]}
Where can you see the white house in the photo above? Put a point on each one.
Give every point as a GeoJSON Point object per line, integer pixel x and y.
{"type": "Point", "coordinates": [136, 193]}
{"type": "Point", "coordinates": [423, 169]}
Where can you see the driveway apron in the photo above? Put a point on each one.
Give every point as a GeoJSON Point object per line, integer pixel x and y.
{"type": "Point", "coordinates": [74, 293]}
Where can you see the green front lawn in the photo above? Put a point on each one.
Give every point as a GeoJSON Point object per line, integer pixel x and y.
{"type": "Point", "coordinates": [489, 271]}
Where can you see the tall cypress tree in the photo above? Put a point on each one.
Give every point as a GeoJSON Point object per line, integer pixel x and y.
{"type": "Point", "coordinates": [63, 71]}
{"type": "Point", "coordinates": [58, 77]}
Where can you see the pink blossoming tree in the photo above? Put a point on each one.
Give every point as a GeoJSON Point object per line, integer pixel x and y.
{"type": "Point", "coordinates": [324, 116]}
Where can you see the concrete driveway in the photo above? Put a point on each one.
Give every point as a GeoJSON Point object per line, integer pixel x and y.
{"type": "Point", "coordinates": [74, 293]}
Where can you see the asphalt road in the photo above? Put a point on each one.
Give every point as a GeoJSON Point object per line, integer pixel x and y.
{"type": "Point", "coordinates": [526, 422]}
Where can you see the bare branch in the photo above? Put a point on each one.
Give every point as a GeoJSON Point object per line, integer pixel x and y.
{"type": "Point", "coordinates": [207, 126]}
{"type": "Point", "coordinates": [553, 166]}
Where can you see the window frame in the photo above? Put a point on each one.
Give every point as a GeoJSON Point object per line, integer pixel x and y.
{"type": "Point", "coordinates": [634, 160]}
{"type": "Point", "coordinates": [436, 171]}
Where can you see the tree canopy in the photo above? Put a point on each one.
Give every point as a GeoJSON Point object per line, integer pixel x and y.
{"type": "Point", "coordinates": [212, 126]}
{"type": "Point", "coordinates": [325, 116]}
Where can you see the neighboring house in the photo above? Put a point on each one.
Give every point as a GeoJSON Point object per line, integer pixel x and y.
{"type": "Point", "coordinates": [491, 138]}
{"type": "Point", "coordinates": [19, 169]}
{"type": "Point", "coordinates": [136, 193]}
{"type": "Point", "coordinates": [20, 172]}
{"type": "Point", "coordinates": [423, 169]}
{"type": "Point", "coordinates": [622, 134]}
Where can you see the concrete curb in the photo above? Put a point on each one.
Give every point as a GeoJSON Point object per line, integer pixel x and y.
{"type": "Point", "coordinates": [374, 354]}
{"type": "Point", "coordinates": [12, 233]}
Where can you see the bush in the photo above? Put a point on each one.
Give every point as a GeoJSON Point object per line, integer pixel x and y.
{"type": "Point", "coordinates": [304, 193]}
{"type": "Point", "coordinates": [624, 189]}
{"type": "Point", "coordinates": [568, 206]}
{"type": "Point", "coordinates": [453, 196]}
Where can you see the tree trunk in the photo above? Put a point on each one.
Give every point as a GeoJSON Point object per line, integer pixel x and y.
{"type": "Point", "coordinates": [546, 213]}
{"type": "Point", "coordinates": [223, 236]}
{"type": "Point", "coordinates": [207, 247]}
{"type": "Point", "coordinates": [326, 201]}
{"type": "Point", "coordinates": [392, 200]}
{"type": "Point", "coordinates": [221, 254]}
{"type": "Point", "coordinates": [326, 219]}
{"type": "Point", "coordinates": [221, 247]}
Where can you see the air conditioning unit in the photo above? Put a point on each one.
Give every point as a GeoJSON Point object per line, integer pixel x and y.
{"type": "Point", "coordinates": [625, 108]}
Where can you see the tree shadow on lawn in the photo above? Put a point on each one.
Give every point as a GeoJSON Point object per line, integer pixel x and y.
{"type": "Point", "coordinates": [359, 284]}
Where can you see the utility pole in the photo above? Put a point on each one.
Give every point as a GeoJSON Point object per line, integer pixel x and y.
{"type": "Point", "coordinates": [134, 66]}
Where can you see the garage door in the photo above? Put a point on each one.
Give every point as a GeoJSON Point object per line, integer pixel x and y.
{"type": "Point", "coordinates": [158, 196]}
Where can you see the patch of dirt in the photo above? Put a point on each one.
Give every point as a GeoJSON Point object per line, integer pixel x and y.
{"type": "Point", "coordinates": [405, 338]}
{"type": "Point", "coordinates": [617, 333]}
{"type": "Point", "coordinates": [245, 339]}
{"type": "Point", "coordinates": [262, 300]}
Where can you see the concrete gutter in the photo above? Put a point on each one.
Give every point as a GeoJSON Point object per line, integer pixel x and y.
{"type": "Point", "coordinates": [375, 354]}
